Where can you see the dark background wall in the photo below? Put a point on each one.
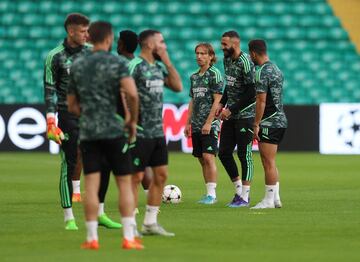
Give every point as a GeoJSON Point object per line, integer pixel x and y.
{"type": "Point", "coordinates": [302, 133]}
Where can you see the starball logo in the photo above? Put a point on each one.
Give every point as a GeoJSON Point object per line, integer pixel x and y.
{"type": "Point", "coordinates": [349, 128]}
{"type": "Point", "coordinates": [340, 128]}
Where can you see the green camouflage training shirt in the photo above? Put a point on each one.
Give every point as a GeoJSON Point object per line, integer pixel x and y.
{"type": "Point", "coordinates": [149, 79]}
{"type": "Point", "coordinates": [202, 90]}
{"type": "Point", "coordinates": [121, 106]}
{"type": "Point", "coordinates": [239, 94]}
{"type": "Point", "coordinates": [269, 80]}
{"type": "Point", "coordinates": [56, 74]}
{"type": "Point", "coordinates": [95, 80]}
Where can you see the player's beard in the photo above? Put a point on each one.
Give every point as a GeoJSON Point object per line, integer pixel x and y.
{"type": "Point", "coordinates": [228, 52]}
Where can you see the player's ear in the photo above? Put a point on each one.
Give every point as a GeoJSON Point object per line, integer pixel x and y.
{"type": "Point", "coordinates": [211, 57]}
{"type": "Point", "coordinates": [70, 31]}
{"type": "Point", "coordinates": [235, 42]}
{"type": "Point", "coordinates": [150, 43]}
{"type": "Point", "coordinates": [109, 40]}
{"type": "Point", "coordinates": [255, 55]}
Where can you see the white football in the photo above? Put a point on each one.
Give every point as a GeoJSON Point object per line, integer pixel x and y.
{"type": "Point", "coordinates": [171, 195]}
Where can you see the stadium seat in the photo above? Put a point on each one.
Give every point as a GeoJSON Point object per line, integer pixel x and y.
{"type": "Point", "coordinates": [111, 8]}
{"type": "Point", "coordinates": [356, 94]}
{"type": "Point", "coordinates": [7, 7]}
{"type": "Point", "coordinates": [131, 7]}
{"type": "Point", "coordinates": [329, 21]}
{"type": "Point", "coordinates": [153, 8]}
{"type": "Point", "coordinates": [338, 33]}
{"type": "Point", "coordinates": [8, 19]}
{"type": "Point", "coordinates": [244, 21]}
{"type": "Point", "coordinates": [15, 31]}
{"type": "Point", "coordinates": [48, 7]}
{"type": "Point", "coordinates": [69, 7]}
{"type": "Point", "coordinates": [173, 7]}
{"type": "Point", "coordinates": [89, 7]}
{"type": "Point", "coordinates": [52, 20]}
{"type": "Point", "coordinates": [25, 7]}
{"type": "Point", "coordinates": [57, 32]}
{"type": "Point", "coordinates": [32, 19]}
{"type": "Point", "coordinates": [295, 33]}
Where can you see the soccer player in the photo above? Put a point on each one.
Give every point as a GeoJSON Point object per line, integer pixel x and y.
{"type": "Point", "coordinates": [150, 149]}
{"type": "Point", "coordinates": [56, 78]}
{"type": "Point", "coordinates": [237, 116]}
{"type": "Point", "coordinates": [126, 46]}
{"type": "Point", "coordinates": [205, 91]}
{"type": "Point", "coordinates": [93, 94]}
{"type": "Point", "coordinates": [270, 119]}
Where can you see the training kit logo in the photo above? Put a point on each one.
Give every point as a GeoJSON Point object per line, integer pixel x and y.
{"type": "Point", "coordinates": [340, 128]}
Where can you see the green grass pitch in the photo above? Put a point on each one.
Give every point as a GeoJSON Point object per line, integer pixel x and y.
{"type": "Point", "coordinates": [320, 220]}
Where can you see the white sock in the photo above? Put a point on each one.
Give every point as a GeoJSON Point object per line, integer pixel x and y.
{"type": "Point", "coordinates": [146, 191]}
{"type": "Point", "coordinates": [245, 193]}
{"type": "Point", "coordinates": [211, 189]}
{"type": "Point", "coordinates": [270, 193]}
{"type": "Point", "coordinates": [101, 209]}
{"type": "Point", "coordinates": [129, 225]}
{"type": "Point", "coordinates": [151, 215]}
{"type": "Point", "coordinates": [238, 186]}
{"type": "Point", "coordinates": [68, 214]}
{"type": "Point", "coordinates": [76, 186]}
{"type": "Point", "coordinates": [277, 191]}
{"type": "Point", "coordinates": [91, 227]}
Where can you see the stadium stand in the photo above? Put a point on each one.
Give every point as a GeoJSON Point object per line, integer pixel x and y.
{"type": "Point", "coordinates": [305, 39]}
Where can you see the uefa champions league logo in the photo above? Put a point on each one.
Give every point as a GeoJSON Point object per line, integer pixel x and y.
{"type": "Point", "coordinates": [349, 128]}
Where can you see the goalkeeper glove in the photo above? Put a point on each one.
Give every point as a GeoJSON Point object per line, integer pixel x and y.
{"type": "Point", "coordinates": [53, 132]}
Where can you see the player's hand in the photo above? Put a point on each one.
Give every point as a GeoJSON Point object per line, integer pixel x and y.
{"type": "Point", "coordinates": [130, 127]}
{"type": "Point", "coordinates": [187, 130]}
{"type": "Point", "coordinates": [205, 130]}
{"type": "Point", "coordinates": [53, 132]}
{"type": "Point", "coordinates": [225, 114]}
{"type": "Point", "coordinates": [256, 133]}
{"type": "Point", "coordinates": [164, 56]}
{"type": "Point", "coordinates": [218, 110]}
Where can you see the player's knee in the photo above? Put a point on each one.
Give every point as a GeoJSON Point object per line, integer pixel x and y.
{"type": "Point", "coordinates": [208, 159]}
{"type": "Point", "coordinates": [160, 178]}
{"type": "Point", "coordinates": [268, 162]}
{"type": "Point", "coordinates": [137, 178]}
